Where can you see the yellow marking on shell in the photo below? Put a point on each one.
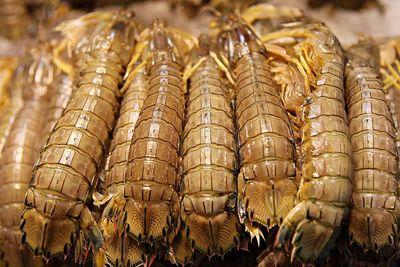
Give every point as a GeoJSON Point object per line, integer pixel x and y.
{"type": "Point", "coordinates": [189, 69]}
{"type": "Point", "coordinates": [59, 62]}
{"type": "Point", "coordinates": [255, 232]}
{"type": "Point", "coordinates": [132, 75]}
{"type": "Point", "coordinates": [135, 57]}
{"type": "Point", "coordinates": [223, 67]}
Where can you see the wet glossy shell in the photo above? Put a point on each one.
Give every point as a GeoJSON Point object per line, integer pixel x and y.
{"type": "Point", "coordinates": [373, 222]}
{"type": "Point", "coordinates": [209, 164]}
{"type": "Point", "coordinates": [62, 90]}
{"type": "Point", "coordinates": [152, 172]}
{"type": "Point", "coordinates": [21, 149]}
{"type": "Point", "coordinates": [267, 189]}
{"type": "Point", "coordinates": [131, 106]}
{"type": "Point", "coordinates": [65, 173]}
{"type": "Point", "coordinates": [120, 247]}
{"type": "Point", "coordinates": [325, 191]}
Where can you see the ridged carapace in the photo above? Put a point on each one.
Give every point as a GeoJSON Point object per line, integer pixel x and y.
{"type": "Point", "coordinates": [372, 226]}
{"type": "Point", "coordinates": [266, 185]}
{"type": "Point", "coordinates": [316, 58]}
{"type": "Point", "coordinates": [118, 246]}
{"type": "Point", "coordinates": [209, 164]}
{"type": "Point", "coordinates": [146, 206]}
{"type": "Point", "coordinates": [56, 218]}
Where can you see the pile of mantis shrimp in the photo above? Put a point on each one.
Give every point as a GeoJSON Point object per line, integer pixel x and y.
{"type": "Point", "coordinates": [261, 142]}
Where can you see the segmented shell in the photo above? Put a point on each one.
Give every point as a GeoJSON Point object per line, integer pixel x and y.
{"type": "Point", "coordinates": [56, 217]}
{"type": "Point", "coordinates": [209, 163]}
{"type": "Point", "coordinates": [20, 152]}
{"type": "Point", "coordinates": [120, 247]}
{"type": "Point", "coordinates": [150, 196]}
{"type": "Point", "coordinates": [62, 87]}
{"type": "Point", "coordinates": [373, 220]}
{"type": "Point", "coordinates": [266, 185]}
{"type": "Point", "coordinates": [314, 224]}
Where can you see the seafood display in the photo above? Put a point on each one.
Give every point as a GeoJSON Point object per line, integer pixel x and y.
{"type": "Point", "coordinates": [258, 140]}
{"type": "Point", "coordinates": [144, 186]}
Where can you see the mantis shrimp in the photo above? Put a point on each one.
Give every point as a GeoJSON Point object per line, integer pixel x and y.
{"type": "Point", "coordinates": [315, 223]}
{"type": "Point", "coordinates": [208, 205]}
{"type": "Point", "coordinates": [56, 218]}
{"type": "Point", "coordinates": [375, 204]}
{"type": "Point", "coordinates": [146, 204]}
{"type": "Point", "coordinates": [266, 185]}
{"type": "Point", "coordinates": [20, 150]}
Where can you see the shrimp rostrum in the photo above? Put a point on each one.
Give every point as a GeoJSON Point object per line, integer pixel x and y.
{"type": "Point", "coordinates": [266, 185]}
{"type": "Point", "coordinates": [314, 224]}
{"type": "Point", "coordinates": [56, 219]}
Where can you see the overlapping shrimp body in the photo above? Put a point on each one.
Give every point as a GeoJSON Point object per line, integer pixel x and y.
{"type": "Point", "coordinates": [314, 224]}
{"type": "Point", "coordinates": [147, 207]}
{"type": "Point", "coordinates": [56, 217]}
{"type": "Point", "coordinates": [266, 185]}
{"type": "Point", "coordinates": [20, 152]}
{"type": "Point", "coordinates": [375, 205]}
{"type": "Point", "coordinates": [118, 246]}
{"type": "Point", "coordinates": [208, 205]}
